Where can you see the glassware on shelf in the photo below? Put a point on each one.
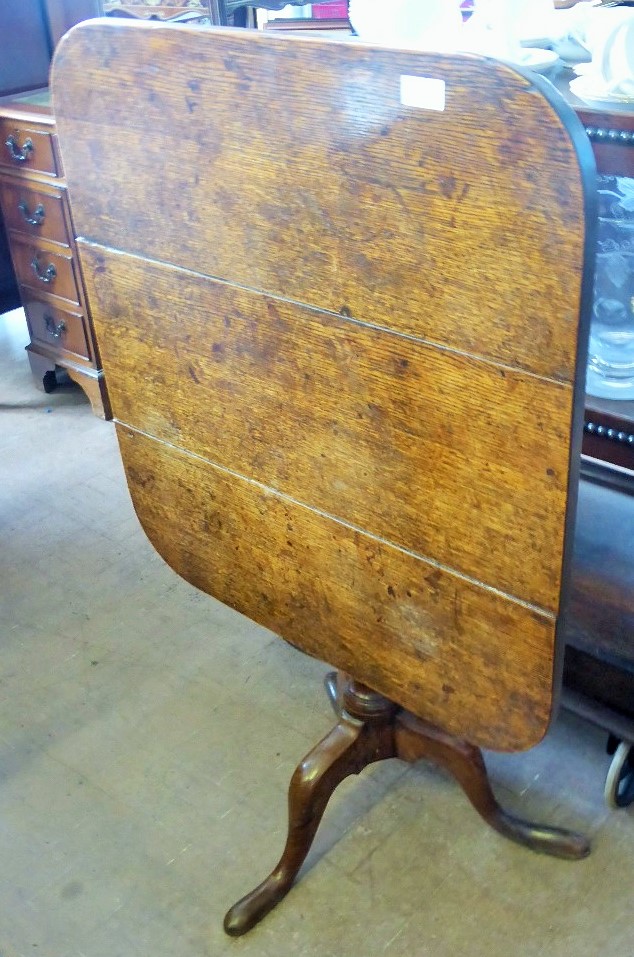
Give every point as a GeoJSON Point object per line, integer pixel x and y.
{"type": "Point", "coordinates": [611, 352]}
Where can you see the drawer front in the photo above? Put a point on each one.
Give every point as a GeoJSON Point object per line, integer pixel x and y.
{"type": "Point", "coordinates": [58, 328]}
{"type": "Point", "coordinates": [44, 270]}
{"type": "Point", "coordinates": [24, 148]}
{"type": "Point", "coordinates": [34, 211]}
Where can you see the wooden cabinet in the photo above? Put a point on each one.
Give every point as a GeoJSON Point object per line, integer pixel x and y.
{"type": "Point", "coordinates": [36, 212]}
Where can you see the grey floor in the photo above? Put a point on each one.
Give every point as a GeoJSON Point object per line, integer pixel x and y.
{"type": "Point", "coordinates": [147, 735]}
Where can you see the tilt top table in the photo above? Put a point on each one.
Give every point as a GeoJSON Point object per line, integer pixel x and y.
{"type": "Point", "coordinates": [343, 315]}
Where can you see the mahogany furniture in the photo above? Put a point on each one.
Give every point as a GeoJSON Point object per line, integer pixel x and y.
{"type": "Point", "coordinates": [36, 213]}
{"type": "Point", "coordinates": [334, 430]}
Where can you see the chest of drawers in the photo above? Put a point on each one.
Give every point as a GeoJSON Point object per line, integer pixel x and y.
{"type": "Point", "coordinates": [37, 217]}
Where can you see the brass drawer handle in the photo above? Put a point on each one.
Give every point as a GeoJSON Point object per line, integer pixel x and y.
{"type": "Point", "coordinates": [47, 275]}
{"type": "Point", "coordinates": [56, 330]}
{"type": "Point", "coordinates": [19, 154]}
{"type": "Point", "coordinates": [34, 219]}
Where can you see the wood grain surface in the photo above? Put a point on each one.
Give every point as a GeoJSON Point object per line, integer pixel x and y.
{"type": "Point", "coordinates": [193, 150]}
{"type": "Point", "coordinates": [422, 636]}
{"type": "Point", "coordinates": [383, 432]}
{"type": "Point", "coordinates": [341, 339]}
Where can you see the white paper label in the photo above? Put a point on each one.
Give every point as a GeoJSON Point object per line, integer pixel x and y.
{"type": "Point", "coordinates": [424, 92]}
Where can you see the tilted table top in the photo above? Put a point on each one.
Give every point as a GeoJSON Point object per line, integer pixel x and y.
{"type": "Point", "coordinates": [341, 335]}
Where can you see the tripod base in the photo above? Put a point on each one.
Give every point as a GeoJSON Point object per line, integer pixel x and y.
{"type": "Point", "coordinates": [371, 728]}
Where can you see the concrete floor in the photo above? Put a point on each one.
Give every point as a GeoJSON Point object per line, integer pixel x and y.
{"type": "Point", "coordinates": [148, 733]}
